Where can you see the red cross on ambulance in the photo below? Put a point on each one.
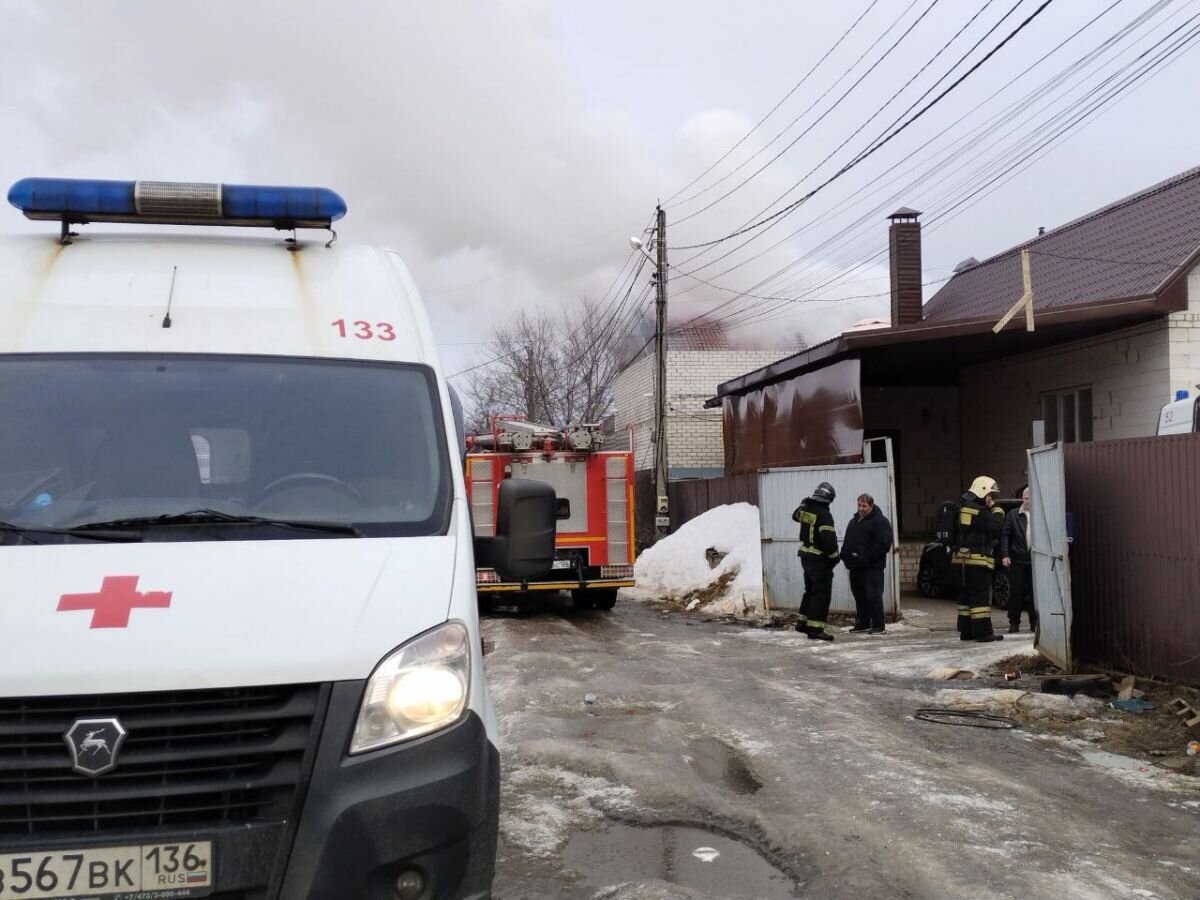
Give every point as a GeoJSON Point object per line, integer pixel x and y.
{"type": "Point", "coordinates": [112, 604]}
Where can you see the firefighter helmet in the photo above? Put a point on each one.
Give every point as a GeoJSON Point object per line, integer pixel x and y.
{"type": "Point", "coordinates": [984, 485]}
{"type": "Point", "coordinates": [824, 493]}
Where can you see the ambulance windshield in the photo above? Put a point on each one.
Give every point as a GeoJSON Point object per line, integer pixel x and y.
{"type": "Point", "coordinates": [98, 438]}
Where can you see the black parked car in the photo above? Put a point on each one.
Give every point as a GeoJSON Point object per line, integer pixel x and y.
{"type": "Point", "coordinates": [938, 577]}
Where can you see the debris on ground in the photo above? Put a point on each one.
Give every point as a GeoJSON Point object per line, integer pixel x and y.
{"type": "Point", "coordinates": [1127, 686]}
{"type": "Point", "coordinates": [1025, 663]}
{"type": "Point", "coordinates": [715, 558]}
{"type": "Point", "coordinates": [1132, 705]}
{"type": "Point", "coordinates": [1191, 719]}
{"type": "Point", "coordinates": [949, 673]}
{"type": "Point", "coordinates": [1070, 685]}
{"type": "Point", "coordinates": [1022, 705]}
{"type": "Point", "coordinates": [967, 718]}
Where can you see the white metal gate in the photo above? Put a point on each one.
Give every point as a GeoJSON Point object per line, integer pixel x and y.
{"type": "Point", "coordinates": [1049, 546]}
{"type": "Point", "coordinates": [780, 492]}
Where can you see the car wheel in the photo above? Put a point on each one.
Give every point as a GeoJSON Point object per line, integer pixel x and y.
{"type": "Point", "coordinates": [1000, 590]}
{"type": "Point", "coordinates": [927, 582]}
{"type": "Point", "coordinates": [595, 598]}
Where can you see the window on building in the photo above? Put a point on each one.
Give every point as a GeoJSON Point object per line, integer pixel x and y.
{"type": "Point", "coordinates": [1068, 415]}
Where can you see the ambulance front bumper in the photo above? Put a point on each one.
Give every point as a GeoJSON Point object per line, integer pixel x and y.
{"type": "Point", "coordinates": [413, 822]}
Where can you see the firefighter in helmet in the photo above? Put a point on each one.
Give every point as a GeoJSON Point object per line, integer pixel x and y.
{"type": "Point", "coordinates": [818, 556]}
{"type": "Point", "coordinates": [980, 522]}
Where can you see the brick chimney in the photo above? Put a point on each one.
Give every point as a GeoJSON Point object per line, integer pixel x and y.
{"type": "Point", "coordinates": [904, 249]}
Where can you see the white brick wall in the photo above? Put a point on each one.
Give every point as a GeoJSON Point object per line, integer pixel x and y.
{"type": "Point", "coordinates": [1184, 341]}
{"type": "Point", "coordinates": [1129, 372]}
{"type": "Point", "coordinates": [694, 438]}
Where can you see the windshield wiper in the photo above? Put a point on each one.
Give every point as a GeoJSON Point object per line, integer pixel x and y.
{"type": "Point", "coordinates": [214, 517]}
{"type": "Point", "coordinates": [97, 534]}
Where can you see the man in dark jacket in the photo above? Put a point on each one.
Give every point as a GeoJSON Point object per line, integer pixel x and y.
{"type": "Point", "coordinates": [980, 523]}
{"type": "Point", "coordinates": [818, 557]}
{"type": "Point", "coordinates": [864, 551]}
{"type": "Point", "coordinates": [1015, 557]}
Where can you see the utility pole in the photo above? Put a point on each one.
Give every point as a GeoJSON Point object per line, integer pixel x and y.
{"type": "Point", "coordinates": [662, 520]}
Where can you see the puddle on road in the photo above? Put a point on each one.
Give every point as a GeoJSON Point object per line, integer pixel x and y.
{"type": "Point", "coordinates": [720, 763]}
{"type": "Point", "coordinates": [689, 857]}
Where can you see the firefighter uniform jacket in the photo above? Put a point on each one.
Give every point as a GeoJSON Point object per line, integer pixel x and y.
{"type": "Point", "coordinates": [818, 537]}
{"type": "Point", "coordinates": [979, 528]}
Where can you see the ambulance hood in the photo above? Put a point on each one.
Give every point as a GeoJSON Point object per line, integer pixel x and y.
{"type": "Point", "coordinates": [110, 618]}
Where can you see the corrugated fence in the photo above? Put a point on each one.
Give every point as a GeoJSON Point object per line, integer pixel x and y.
{"type": "Point", "coordinates": [688, 499]}
{"type": "Point", "coordinates": [1135, 558]}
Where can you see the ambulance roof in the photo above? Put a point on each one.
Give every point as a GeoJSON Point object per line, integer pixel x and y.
{"type": "Point", "coordinates": [227, 295]}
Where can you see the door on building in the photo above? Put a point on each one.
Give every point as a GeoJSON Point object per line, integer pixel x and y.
{"type": "Point", "coordinates": [1049, 545]}
{"type": "Point", "coordinates": [880, 446]}
{"type": "Point", "coordinates": [780, 492]}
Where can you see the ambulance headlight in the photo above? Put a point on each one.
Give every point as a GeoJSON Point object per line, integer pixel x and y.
{"type": "Point", "coordinates": [418, 689]}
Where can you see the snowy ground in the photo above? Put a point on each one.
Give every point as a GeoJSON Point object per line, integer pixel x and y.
{"type": "Point", "coordinates": [809, 754]}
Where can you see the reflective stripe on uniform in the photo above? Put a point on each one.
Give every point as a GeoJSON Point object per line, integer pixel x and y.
{"type": "Point", "coordinates": [815, 625]}
{"type": "Point", "coordinates": [981, 612]}
{"type": "Point", "coordinates": [805, 548]}
{"type": "Point", "coordinates": [827, 528]}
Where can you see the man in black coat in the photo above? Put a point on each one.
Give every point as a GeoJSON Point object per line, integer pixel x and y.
{"type": "Point", "coordinates": [1015, 557]}
{"type": "Point", "coordinates": [865, 549]}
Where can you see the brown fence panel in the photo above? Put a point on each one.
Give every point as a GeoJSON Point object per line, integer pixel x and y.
{"type": "Point", "coordinates": [1135, 558]}
{"type": "Point", "coordinates": [688, 499]}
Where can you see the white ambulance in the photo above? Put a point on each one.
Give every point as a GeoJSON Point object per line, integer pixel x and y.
{"type": "Point", "coordinates": [241, 655]}
{"type": "Point", "coordinates": [1181, 415]}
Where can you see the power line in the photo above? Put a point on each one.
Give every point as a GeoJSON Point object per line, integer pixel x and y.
{"type": "Point", "coordinates": [775, 108]}
{"type": "Point", "coordinates": [819, 119]}
{"type": "Point", "coordinates": [1163, 58]}
{"type": "Point", "coordinates": [978, 132]}
{"type": "Point", "coordinates": [879, 144]}
{"type": "Point", "coordinates": [485, 363]}
{"type": "Point", "coordinates": [996, 121]}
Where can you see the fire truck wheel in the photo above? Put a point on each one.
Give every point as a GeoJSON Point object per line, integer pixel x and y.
{"type": "Point", "coordinates": [596, 598]}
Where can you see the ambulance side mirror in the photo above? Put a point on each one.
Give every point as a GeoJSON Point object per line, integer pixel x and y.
{"type": "Point", "coordinates": [526, 520]}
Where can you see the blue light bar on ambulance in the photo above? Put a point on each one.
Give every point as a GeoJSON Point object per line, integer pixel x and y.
{"type": "Point", "coordinates": [72, 200]}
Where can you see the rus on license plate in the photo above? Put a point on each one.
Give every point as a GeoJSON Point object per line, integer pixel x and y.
{"type": "Point", "coordinates": [146, 872]}
{"type": "Point", "coordinates": [561, 564]}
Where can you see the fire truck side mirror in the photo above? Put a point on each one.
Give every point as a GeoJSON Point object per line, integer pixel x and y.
{"type": "Point", "coordinates": [564, 508]}
{"type": "Point", "coordinates": [523, 546]}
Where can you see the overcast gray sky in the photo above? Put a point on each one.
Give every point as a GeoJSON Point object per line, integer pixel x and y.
{"type": "Point", "coordinates": [508, 148]}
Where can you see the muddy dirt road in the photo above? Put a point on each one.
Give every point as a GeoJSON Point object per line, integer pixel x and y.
{"type": "Point", "coordinates": [652, 755]}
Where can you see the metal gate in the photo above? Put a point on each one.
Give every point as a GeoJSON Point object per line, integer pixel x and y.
{"type": "Point", "coordinates": [780, 492]}
{"type": "Point", "coordinates": [1048, 546]}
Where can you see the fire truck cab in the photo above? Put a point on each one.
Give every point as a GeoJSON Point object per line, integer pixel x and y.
{"type": "Point", "coordinates": [594, 549]}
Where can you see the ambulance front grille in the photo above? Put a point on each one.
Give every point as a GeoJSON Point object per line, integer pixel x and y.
{"type": "Point", "coordinates": [191, 759]}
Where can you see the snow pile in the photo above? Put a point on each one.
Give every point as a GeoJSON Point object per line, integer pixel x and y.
{"type": "Point", "coordinates": [677, 567]}
{"type": "Point", "coordinates": [541, 825]}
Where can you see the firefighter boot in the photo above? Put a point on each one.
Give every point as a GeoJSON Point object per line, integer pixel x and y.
{"type": "Point", "coordinates": [817, 632]}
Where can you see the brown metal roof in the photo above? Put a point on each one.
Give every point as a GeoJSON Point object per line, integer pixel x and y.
{"type": "Point", "coordinates": [1130, 248]}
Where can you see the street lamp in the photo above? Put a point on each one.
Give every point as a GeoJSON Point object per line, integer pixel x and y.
{"type": "Point", "coordinates": [639, 245]}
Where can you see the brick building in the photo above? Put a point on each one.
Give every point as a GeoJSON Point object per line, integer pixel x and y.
{"type": "Point", "coordinates": [1116, 299]}
{"type": "Point", "coordinates": [698, 359]}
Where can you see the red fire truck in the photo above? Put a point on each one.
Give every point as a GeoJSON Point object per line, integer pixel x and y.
{"type": "Point", "coordinates": [594, 548]}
